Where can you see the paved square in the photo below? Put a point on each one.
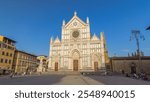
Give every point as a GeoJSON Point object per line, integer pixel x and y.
{"type": "Point", "coordinates": [70, 80]}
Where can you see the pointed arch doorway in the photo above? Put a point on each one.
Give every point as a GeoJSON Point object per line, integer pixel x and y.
{"type": "Point", "coordinates": [96, 66]}
{"type": "Point", "coordinates": [56, 66]}
{"type": "Point", "coordinates": [75, 60]}
{"type": "Point", "coordinates": [75, 65]}
{"type": "Point", "coordinates": [96, 62]}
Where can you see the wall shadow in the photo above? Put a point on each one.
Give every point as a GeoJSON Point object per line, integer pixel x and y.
{"type": "Point", "coordinates": [31, 80]}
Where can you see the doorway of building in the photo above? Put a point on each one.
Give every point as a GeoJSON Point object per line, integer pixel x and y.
{"type": "Point", "coordinates": [56, 66]}
{"type": "Point", "coordinates": [96, 66]}
{"type": "Point", "coordinates": [133, 68]}
{"type": "Point", "coordinates": [75, 65]}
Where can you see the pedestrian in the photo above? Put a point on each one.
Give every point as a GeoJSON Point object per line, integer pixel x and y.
{"type": "Point", "coordinates": [123, 72]}
{"type": "Point", "coordinates": [145, 76]}
{"type": "Point", "coordinates": [135, 76]}
{"type": "Point", "coordinates": [105, 73]}
{"type": "Point", "coordinates": [24, 73]}
{"type": "Point", "coordinates": [133, 68]}
{"type": "Point", "coordinates": [12, 75]}
{"type": "Point", "coordinates": [127, 75]}
{"type": "Point", "coordinates": [40, 73]}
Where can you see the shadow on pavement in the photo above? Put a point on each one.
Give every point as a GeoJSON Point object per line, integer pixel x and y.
{"type": "Point", "coordinates": [118, 80]}
{"type": "Point", "coordinates": [31, 80]}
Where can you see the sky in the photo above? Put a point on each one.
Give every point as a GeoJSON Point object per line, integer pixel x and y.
{"type": "Point", "coordinates": [32, 22]}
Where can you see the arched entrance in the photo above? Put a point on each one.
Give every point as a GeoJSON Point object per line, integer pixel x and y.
{"type": "Point", "coordinates": [96, 62]}
{"type": "Point", "coordinates": [75, 65]}
{"type": "Point", "coordinates": [96, 66]}
{"type": "Point", "coordinates": [75, 60]}
{"type": "Point", "coordinates": [133, 68]}
{"type": "Point", "coordinates": [56, 66]}
{"type": "Point", "coordinates": [56, 63]}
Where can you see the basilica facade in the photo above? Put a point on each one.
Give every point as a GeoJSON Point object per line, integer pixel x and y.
{"type": "Point", "coordinates": [77, 50]}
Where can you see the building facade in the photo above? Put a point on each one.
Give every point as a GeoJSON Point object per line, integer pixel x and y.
{"type": "Point", "coordinates": [77, 50]}
{"type": "Point", "coordinates": [24, 62]}
{"type": "Point", "coordinates": [130, 64]}
{"type": "Point", "coordinates": [7, 49]}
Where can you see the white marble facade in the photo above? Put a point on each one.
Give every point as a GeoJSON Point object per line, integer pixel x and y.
{"type": "Point", "coordinates": [77, 50]}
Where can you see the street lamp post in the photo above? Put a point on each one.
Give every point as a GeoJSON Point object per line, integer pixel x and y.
{"type": "Point", "coordinates": [148, 28]}
{"type": "Point", "coordinates": [135, 34]}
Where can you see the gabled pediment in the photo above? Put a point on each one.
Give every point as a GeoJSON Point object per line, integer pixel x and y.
{"type": "Point", "coordinates": [57, 40]}
{"type": "Point", "coordinates": [94, 38]}
{"type": "Point", "coordinates": [75, 22]}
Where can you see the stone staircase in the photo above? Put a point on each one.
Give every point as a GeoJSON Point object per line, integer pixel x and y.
{"type": "Point", "coordinates": [99, 72]}
{"type": "Point", "coordinates": [102, 72]}
{"type": "Point", "coordinates": [62, 73]}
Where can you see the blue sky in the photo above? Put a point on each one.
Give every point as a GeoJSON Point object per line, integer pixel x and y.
{"type": "Point", "coordinates": [32, 22]}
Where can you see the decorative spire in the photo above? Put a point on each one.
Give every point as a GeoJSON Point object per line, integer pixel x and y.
{"type": "Point", "coordinates": [51, 40]}
{"type": "Point", "coordinates": [103, 42]}
{"type": "Point", "coordinates": [87, 20]}
{"type": "Point", "coordinates": [75, 13]}
{"type": "Point", "coordinates": [63, 22]}
{"type": "Point", "coordinates": [102, 37]}
{"type": "Point", "coordinates": [57, 38]}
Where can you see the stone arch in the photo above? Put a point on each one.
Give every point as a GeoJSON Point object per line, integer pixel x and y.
{"type": "Point", "coordinates": [74, 50]}
{"type": "Point", "coordinates": [96, 62]}
{"type": "Point", "coordinates": [75, 60]}
{"type": "Point", "coordinates": [56, 63]}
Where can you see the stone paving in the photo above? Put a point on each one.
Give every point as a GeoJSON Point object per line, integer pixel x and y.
{"type": "Point", "coordinates": [77, 80]}
{"type": "Point", "coordinates": [119, 80]}
{"type": "Point", "coordinates": [70, 80]}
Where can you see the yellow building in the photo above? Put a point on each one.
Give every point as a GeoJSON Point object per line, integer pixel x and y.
{"type": "Point", "coordinates": [24, 62]}
{"type": "Point", "coordinates": [7, 49]}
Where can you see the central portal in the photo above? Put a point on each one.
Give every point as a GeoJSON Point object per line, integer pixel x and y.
{"type": "Point", "coordinates": [75, 60]}
{"type": "Point", "coordinates": [96, 66]}
{"type": "Point", "coordinates": [75, 65]}
{"type": "Point", "coordinates": [56, 66]}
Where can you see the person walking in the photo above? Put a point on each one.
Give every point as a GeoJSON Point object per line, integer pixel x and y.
{"type": "Point", "coordinates": [12, 75]}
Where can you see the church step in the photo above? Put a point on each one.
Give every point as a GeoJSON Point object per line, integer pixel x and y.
{"type": "Point", "coordinates": [62, 73]}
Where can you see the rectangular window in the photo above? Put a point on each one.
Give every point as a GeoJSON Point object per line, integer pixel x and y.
{"type": "Point", "coordinates": [7, 54]}
{"type": "Point", "coordinates": [1, 60]}
{"type": "Point", "coordinates": [5, 46]}
{"type": "Point", "coordinates": [9, 61]}
{"type": "Point", "coordinates": [3, 53]}
{"type": "Point", "coordinates": [5, 60]}
{"type": "Point", "coordinates": [9, 47]}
